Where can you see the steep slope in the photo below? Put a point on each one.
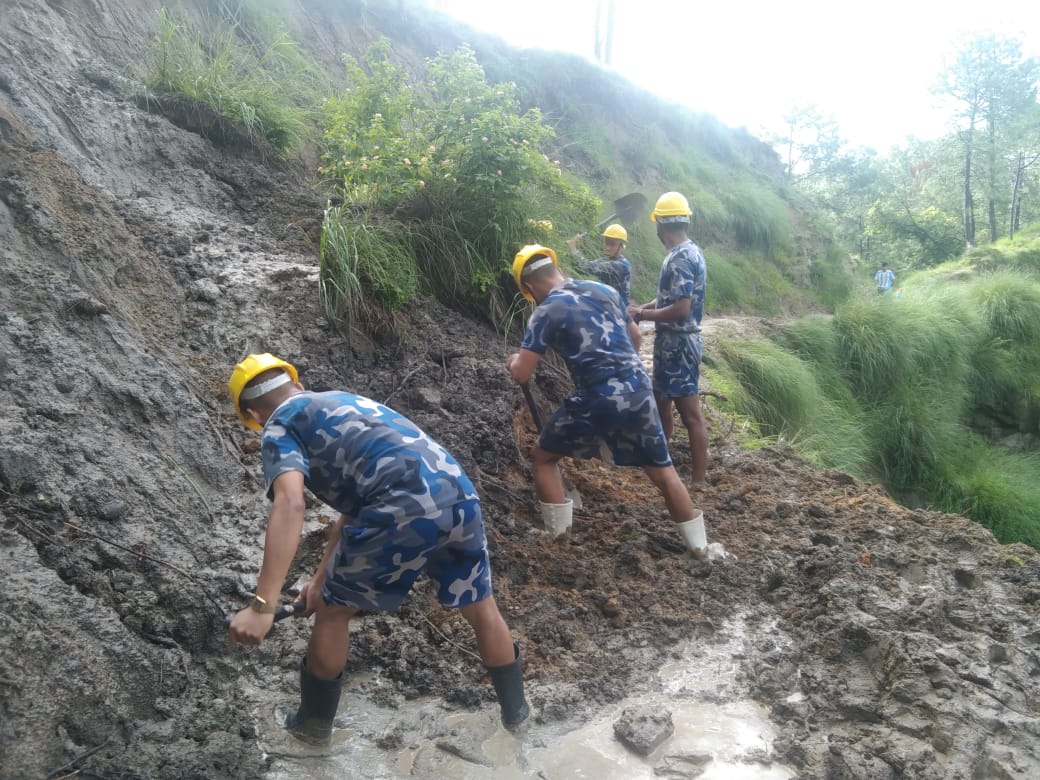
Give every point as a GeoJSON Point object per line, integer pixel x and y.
{"type": "Point", "coordinates": [140, 261]}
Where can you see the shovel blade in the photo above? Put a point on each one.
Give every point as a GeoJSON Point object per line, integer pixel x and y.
{"type": "Point", "coordinates": [627, 209]}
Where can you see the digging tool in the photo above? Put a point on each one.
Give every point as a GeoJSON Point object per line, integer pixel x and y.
{"type": "Point", "coordinates": [626, 209]}
{"type": "Point", "coordinates": [570, 490]}
{"type": "Point", "coordinates": [284, 611]}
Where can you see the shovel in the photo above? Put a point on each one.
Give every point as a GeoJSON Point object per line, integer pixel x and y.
{"type": "Point", "coordinates": [570, 490]}
{"type": "Point", "coordinates": [626, 209]}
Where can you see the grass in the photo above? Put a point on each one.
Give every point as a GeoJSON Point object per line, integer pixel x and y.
{"type": "Point", "coordinates": [255, 85]}
{"type": "Point", "coordinates": [889, 388]}
{"type": "Point", "coordinates": [1003, 494]}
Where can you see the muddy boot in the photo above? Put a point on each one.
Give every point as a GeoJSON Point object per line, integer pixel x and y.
{"type": "Point", "coordinates": [693, 534]}
{"type": "Point", "coordinates": [557, 517]}
{"type": "Point", "coordinates": [319, 699]}
{"type": "Point", "coordinates": [509, 685]}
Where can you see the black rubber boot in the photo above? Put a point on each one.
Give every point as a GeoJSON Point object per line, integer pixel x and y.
{"type": "Point", "coordinates": [509, 685]}
{"type": "Point", "coordinates": [319, 699]}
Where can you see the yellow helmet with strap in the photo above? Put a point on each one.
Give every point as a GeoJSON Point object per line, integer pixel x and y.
{"type": "Point", "coordinates": [615, 231]}
{"type": "Point", "coordinates": [248, 370]}
{"type": "Point", "coordinates": [520, 263]}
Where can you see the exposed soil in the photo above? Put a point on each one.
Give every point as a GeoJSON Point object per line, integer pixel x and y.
{"type": "Point", "coordinates": [140, 262]}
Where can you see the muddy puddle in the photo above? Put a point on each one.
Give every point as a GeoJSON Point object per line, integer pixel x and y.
{"type": "Point", "coordinates": [718, 732]}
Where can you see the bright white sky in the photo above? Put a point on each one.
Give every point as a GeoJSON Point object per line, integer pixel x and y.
{"type": "Point", "coordinates": [869, 65]}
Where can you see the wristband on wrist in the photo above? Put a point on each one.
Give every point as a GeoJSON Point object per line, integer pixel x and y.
{"type": "Point", "coordinates": [259, 604]}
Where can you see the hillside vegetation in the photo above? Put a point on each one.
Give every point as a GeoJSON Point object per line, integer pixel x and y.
{"type": "Point", "coordinates": [443, 152]}
{"type": "Point", "coordinates": [933, 390]}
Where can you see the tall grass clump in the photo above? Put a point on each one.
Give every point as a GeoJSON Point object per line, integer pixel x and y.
{"type": "Point", "coordinates": [832, 280]}
{"type": "Point", "coordinates": [783, 393]}
{"type": "Point", "coordinates": [225, 84]}
{"type": "Point", "coordinates": [891, 387]}
{"type": "Point", "coordinates": [1006, 385]}
{"type": "Point", "coordinates": [456, 164]}
{"type": "Point", "coordinates": [889, 342]}
{"type": "Point", "coordinates": [1002, 493]}
{"type": "Point", "coordinates": [777, 389]}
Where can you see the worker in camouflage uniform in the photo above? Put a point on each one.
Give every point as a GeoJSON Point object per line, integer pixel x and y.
{"type": "Point", "coordinates": [612, 401]}
{"type": "Point", "coordinates": [676, 313]}
{"type": "Point", "coordinates": [405, 507]}
{"type": "Point", "coordinates": [613, 268]}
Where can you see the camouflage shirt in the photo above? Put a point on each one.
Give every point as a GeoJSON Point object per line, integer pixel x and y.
{"type": "Point", "coordinates": [683, 275]}
{"type": "Point", "coordinates": [615, 271]}
{"type": "Point", "coordinates": [355, 453]}
{"type": "Point", "coordinates": [584, 322]}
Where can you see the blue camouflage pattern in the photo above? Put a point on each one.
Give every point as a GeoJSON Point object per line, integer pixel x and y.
{"type": "Point", "coordinates": [683, 275]}
{"type": "Point", "coordinates": [615, 272]}
{"type": "Point", "coordinates": [409, 506]}
{"type": "Point", "coordinates": [677, 358]}
{"type": "Point", "coordinates": [677, 345]}
{"type": "Point", "coordinates": [613, 397]}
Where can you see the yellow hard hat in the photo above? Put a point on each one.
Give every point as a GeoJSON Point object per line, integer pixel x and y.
{"type": "Point", "coordinates": [521, 259]}
{"type": "Point", "coordinates": [245, 372]}
{"type": "Point", "coordinates": [671, 207]}
{"type": "Point", "coordinates": [615, 231]}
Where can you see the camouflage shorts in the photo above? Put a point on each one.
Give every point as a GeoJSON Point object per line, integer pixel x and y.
{"type": "Point", "coordinates": [377, 560]}
{"type": "Point", "coordinates": [629, 424]}
{"type": "Point", "coordinates": [677, 359]}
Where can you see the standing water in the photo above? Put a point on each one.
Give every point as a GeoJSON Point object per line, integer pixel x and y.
{"type": "Point", "coordinates": [717, 734]}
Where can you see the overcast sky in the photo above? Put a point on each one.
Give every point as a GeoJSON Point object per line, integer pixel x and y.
{"type": "Point", "coordinates": [869, 65]}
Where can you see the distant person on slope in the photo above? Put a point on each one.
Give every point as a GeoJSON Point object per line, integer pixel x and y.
{"type": "Point", "coordinates": [405, 506]}
{"type": "Point", "coordinates": [884, 279]}
{"type": "Point", "coordinates": [613, 268]}
{"type": "Point", "coordinates": [676, 312]}
{"type": "Point", "coordinates": [613, 399]}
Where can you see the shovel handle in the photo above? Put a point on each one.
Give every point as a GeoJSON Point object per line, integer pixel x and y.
{"type": "Point", "coordinates": [604, 222]}
{"type": "Point", "coordinates": [532, 406]}
{"type": "Point", "coordinates": [283, 611]}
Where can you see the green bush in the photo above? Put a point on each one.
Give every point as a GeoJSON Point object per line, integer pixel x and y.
{"type": "Point", "coordinates": [455, 161]}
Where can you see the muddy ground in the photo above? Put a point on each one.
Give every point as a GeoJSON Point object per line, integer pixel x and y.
{"type": "Point", "coordinates": [140, 261]}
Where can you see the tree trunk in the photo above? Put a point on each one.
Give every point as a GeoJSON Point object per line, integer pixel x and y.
{"type": "Point", "coordinates": [969, 205]}
{"type": "Point", "coordinates": [994, 233]}
{"type": "Point", "coordinates": [608, 53]}
{"type": "Point", "coordinates": [1016, 184]}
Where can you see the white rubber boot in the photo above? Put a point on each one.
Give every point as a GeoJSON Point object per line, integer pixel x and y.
{"type": "Point", "coordinates": [557, 517]}
{"type": "Point", "coordinates": [693, 534]}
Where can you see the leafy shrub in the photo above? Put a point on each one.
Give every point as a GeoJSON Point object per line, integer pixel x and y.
{"type": "Point", "coordinates": [455, 160]}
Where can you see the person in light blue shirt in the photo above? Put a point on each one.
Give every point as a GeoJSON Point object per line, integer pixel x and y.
{"type": "Point", "coordinates": [884, 279]}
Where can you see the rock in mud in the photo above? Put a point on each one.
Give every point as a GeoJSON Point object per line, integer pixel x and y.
{"type": "Point", "coordinates": [643, 730]}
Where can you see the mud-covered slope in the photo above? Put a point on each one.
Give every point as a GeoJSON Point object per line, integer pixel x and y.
{"type": "Point", "coordinates": [139, 262]}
